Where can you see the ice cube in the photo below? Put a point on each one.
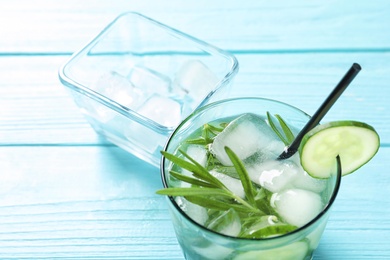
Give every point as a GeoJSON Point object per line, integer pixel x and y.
{"type": "Point", "coordinates": [194, 79]}
{"type": "Point", "coordinates": [199, 154]}
{"type": "Point", "coordinates": [296, 206]}
{"type": "Point", "coordinates": [117, 88]}
{"type": "Point", "coordinates": [234, 185]}
{"type": "Point", "coordinates": [194, 211]}
{"type": "Point", "coordinates": [305, 181]}
{"type": "Point", "coordinates": [163, 110]}
{"type": "Point", "coordinates": [226, 222]}
{"type": "Point", "coordinates": [246, 135]}
{"type": "Point", "coordinates": [273, 175]}
{"type": "Point", "coordinates": [149, 81]}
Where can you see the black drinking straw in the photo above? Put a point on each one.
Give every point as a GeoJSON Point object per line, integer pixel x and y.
{"type": "Point", "coordinates": [322, 110]}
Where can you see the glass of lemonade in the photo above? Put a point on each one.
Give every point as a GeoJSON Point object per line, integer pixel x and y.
{"type": "Point", "coordinates": [294, 206]}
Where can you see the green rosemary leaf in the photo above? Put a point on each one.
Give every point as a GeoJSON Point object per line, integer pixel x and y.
{"type": "Point", "coordinates": [179, 161]}
{"type": "Point", "coordinates": [217, 204]}
{"type": "Point", "coordinates": [275, 129]}
{"type": "Point", "coordinates": [210, 162]}
{"type": "Point", "coordinates": [193, 191]}
{"type": "Point", "coordinates": [228, 170]}
{"type": "Point", "coordinates": [252, 219]}
{"type": "Point", "coordinates": [287, 131]}
{"type": "Point", "coordinates": [193, 166]}
{"type": "Point", "coordinates": [200, 141]}
{"type": "Point", "coordinates": [264, 207]}
{"type": "Point", "coordinates": [191, 180]}
{"type": "Point", "coordinates": [214, 129]}
{"type": "Point", "coordinates": [243, 174]}
{"type": "Point", "coordinates": [202, 173]}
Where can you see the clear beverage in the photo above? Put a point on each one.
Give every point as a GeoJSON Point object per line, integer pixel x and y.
{"type": "Point", "coordinates": [294, 206]}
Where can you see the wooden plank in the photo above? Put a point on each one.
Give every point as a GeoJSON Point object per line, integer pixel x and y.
{"type": "Point", "coordinates": [34, 104]}
{"type": "Point", "coordinates": [66, 193]}
{"type": "Point", "coordinates": [105, 207]}
{"type": "Point", "coordinates": [37, 109]}
{"type": "Point", "coordinates": [359, 224]}
{"type": "Point", "coordinates": [99, 202]}
{"type": "Point", "coordinates": [305, 80]}
{"type": "Point", "coordinates": [51, 26]}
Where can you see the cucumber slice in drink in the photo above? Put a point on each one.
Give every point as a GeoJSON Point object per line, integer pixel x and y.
{"type": "Point", "coordinates": [355, 142]}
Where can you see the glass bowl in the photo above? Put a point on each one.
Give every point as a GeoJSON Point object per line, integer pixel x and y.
{"type": "Point", "coordinates": [138, 79]}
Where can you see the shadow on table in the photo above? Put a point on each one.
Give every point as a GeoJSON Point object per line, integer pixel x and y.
{"type": "Point", "coordinates": [125, 171]}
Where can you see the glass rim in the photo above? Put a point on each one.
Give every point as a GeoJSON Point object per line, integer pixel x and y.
{"type": "Point", "coordinates": [324, 210]}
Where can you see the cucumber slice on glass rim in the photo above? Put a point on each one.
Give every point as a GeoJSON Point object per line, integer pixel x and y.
{"type": "Point", "coordinates": [355, 142]}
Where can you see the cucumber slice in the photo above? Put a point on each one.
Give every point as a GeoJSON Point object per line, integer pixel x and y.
{"type": "Point", "coordinates": [355, 142]}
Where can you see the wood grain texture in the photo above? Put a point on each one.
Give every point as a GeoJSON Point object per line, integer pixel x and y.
{"type": "Point", "coordinates": [66, 193]}
{"type": "Point", "coordinates": [38, 109]}
{"type": "Point", "coordinates": [106, 208]}
{"type": "Point", "coordinates": [54, 27]}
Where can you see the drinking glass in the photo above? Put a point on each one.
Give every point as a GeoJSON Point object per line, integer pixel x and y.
{"type": "Point", "coordinates": [198, 242]}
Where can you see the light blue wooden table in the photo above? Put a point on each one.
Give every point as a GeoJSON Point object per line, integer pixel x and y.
{"type": "Point", "coordinates": [66, 193]}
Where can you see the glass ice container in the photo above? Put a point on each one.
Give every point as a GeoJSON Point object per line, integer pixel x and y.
{"type": "Point", "coordinates": [138, 79]}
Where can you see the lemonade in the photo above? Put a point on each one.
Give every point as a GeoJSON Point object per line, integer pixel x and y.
{"type": "Point", "coordinates": [231, 197]}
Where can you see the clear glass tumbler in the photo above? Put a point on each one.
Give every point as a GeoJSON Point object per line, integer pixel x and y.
{"type": "Point", "coordinates": [198, 242]}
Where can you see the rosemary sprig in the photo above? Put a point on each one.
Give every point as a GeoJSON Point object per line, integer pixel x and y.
{"type": "Point", "coordinates": [207, 190]}
{"type": "Point", "coordinates": [287, 137]}
{"type": "Point", "coordinates": [208, 133]}
{"type": "Point", "coordinates": [243, 174]}
{"type": "Point", "coordinates": [287, 131]}
{"type": "Point", "coordinates": [210, 202]}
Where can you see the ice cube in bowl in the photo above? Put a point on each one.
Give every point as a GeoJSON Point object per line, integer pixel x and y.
{"type": "Point", "coordinates": [134, 63]}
